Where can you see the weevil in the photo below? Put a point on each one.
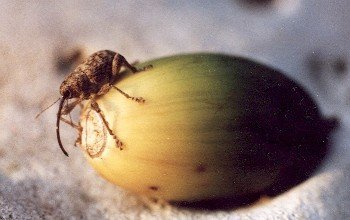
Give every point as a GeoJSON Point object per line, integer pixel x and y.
{"type": "Point", "coordinates": [93, 78]}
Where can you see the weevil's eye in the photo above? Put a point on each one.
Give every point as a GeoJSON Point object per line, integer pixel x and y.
{"type": "Point", "coordinates": [64, 90]}
{"type": "Point", "coordinates": [67, 94]}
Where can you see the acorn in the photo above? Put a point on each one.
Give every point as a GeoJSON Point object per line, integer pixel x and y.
{"type": "Point", "coordinates": [212, 126]}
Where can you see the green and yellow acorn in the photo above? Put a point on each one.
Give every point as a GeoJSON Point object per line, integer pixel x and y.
{"type": "Point", "coordinates": [212, 126]}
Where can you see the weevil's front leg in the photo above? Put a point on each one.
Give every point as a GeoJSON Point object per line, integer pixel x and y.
{"type": "Point", "coordinates": [96, 107]}
{"type": "Point", "coordinates": [69, 107]}
{"type": "Point", "coordinates": [66, 110]}
{"type": "Point", "coordinates": [79, 128]}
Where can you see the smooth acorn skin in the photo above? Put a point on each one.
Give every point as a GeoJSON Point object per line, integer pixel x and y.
{"type": "Point", "coordinates": [213, 126]}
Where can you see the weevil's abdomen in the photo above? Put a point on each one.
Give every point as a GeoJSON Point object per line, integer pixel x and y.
{"type": "Point", "coordinates": [98, 67]}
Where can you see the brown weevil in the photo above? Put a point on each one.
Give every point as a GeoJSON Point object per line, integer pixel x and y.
{"type": "Point", "coordinates": [93, 78]}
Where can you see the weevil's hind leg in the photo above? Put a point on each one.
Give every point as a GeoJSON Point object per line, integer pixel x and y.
{"type": "Point", "coordinates": [118, 62]}
{"type": "Point", "coordinates": [143, 68]}
{"type": "Point", "coordinates": [136, 99]}
{"type": "Point", "coordinates": [135, 63]}
{"type": "Point", "coordinates": [96, 107]}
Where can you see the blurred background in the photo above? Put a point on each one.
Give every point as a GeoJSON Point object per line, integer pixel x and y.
{"type": "Point", "coordinates": [40, 42]}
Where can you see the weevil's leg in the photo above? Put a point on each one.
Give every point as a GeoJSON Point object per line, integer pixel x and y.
{"type": "Point", "coordinates": [77, 142]}
{"type": "Point", "coordinates": [96, 107]}
{"type": "Point", "coordinates": [104, 89]}
{"type": "Point", "coordinates": [146, 68]}
{"type": "Point", "coordinates": [118, 62]}
{"type": "Point", "coordinates": [70, 117]}
{"type": "Point", "coordinates": [135, 62]}
{"type": "Point", "coordinates": [136, 99]}
{"type": "Point", "coordinates": [143, 68]}
{"type": "Point", "coordinates": [69, 107]}
{"type": "Point", "coordinates": [66, 109]}
{"type": "Point", "coordinates": [79, 128]}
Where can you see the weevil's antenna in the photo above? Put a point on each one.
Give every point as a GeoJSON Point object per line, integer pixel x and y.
{"type": "Point", "coordinates": [63, 99]}
{"type": "Point", "coordinates": [70, 117]}
{"type": "Point", "coordinates": [46, 108]}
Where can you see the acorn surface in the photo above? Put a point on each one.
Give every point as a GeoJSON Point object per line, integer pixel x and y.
{"type": "Point", "coordinates": [212, 126]}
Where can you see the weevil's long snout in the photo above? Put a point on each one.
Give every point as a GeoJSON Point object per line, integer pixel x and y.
{"type": "Point", "coordinates": [63, 99]}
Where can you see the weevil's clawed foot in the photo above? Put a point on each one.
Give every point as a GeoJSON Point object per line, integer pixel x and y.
{"type": "Point", "coordinates": [135, 63]}
{"type": "Point", "coordinates": [148, 67]}
{"type": "Point", "coordinates": [138, 99]}
{"type": "Point", "coordinates": [78, 140]}
{"type": "Point", "coordinates": [118, 142]}
{"type": "Point", "coordinates": [145, 68]}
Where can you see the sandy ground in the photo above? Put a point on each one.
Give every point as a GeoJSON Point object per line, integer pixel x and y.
{"type": "Point", "coordinates": [307, 39]}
